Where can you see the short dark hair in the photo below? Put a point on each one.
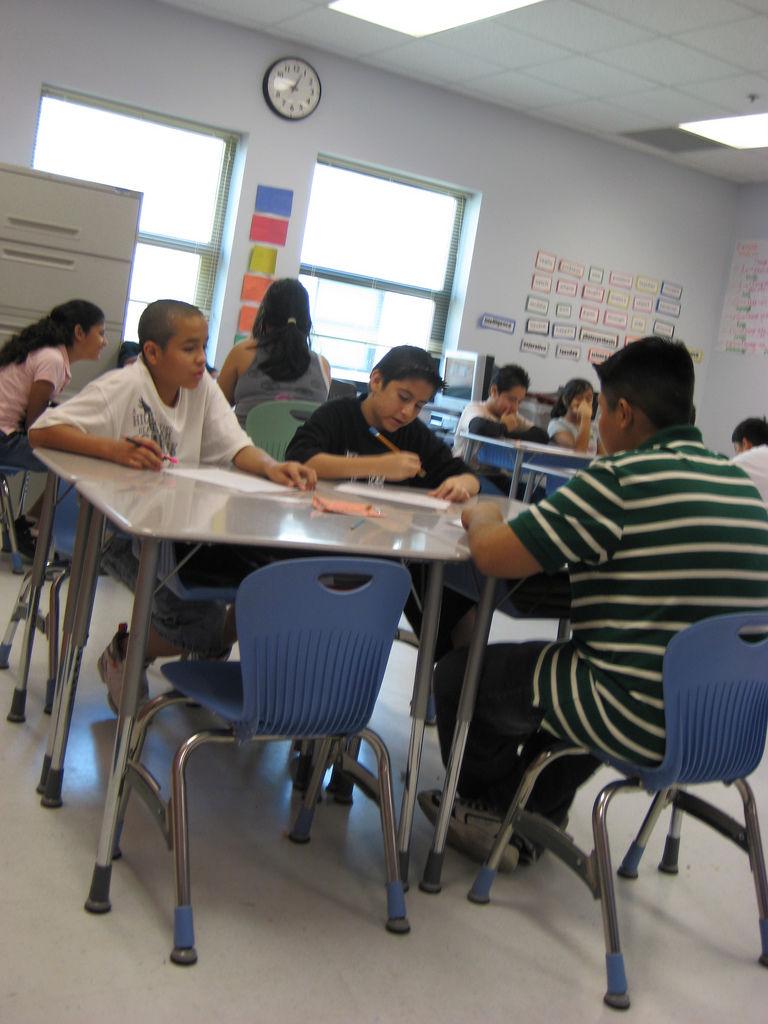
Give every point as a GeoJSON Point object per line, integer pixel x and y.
{"type": "Point", "coordinates": [406, 362]}
{"type": "Point", "coordinates": [511, 376]}
{"type": "Point", "coordinates": [754, 429]}
{"type": "Point", "coordinates": [158, 321]}
{"type": "Point", "coordinates": [653, 374]}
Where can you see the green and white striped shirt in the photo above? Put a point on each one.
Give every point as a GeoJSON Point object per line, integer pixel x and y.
{"type": "Point", "coordinates": [654, 539]}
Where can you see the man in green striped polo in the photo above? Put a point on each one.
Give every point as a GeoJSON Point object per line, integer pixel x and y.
{"type": "Point", "coordinates": [656, 535]}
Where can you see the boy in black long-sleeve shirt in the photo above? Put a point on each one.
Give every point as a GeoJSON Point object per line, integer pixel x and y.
{"type": "Point", "coordinates": [339, 442]}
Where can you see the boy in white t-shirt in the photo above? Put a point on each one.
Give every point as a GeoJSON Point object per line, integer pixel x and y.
{"type": "Point", "coordinates": [750, 441]}
{"type": "Point", "coordinates": [163, 406]}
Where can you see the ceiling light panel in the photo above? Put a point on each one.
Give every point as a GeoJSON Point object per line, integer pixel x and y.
{"type": "Point", "coordinates": [427, 16]}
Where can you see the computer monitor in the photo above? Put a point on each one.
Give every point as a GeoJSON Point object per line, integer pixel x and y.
{"type": "Point", "coordinates": [466, 378]}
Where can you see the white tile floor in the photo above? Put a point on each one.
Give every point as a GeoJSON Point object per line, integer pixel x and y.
{"type": "Point", "coordinates": [291, 933]}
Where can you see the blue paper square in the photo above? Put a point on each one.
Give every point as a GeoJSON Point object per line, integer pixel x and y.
{"type": "Point", "coordinates": [277, 201]}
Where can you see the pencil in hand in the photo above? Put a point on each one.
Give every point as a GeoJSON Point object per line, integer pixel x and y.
{"type": "Point", "coordinates": [388, 444]}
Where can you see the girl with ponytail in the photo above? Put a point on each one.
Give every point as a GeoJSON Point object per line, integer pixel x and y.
{"type": "Point", "coordinates": [34, 367]}
{"type": "Point", "coordinates": [276, 362]}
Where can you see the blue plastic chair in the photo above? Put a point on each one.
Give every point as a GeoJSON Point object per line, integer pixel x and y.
{"type": "Point", "coordinates": [271, 425]}
{"type": "Point", "coordinates": [314, 635]}
{"type": "Point", "coordinates": [715, 681]}
{"type": "Point", "coordinates": [57, 571]}
{"type": "Point", "coordinates": [8, 516]}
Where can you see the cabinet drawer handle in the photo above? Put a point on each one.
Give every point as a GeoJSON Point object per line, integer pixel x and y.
{"type": "Point", "coordinates": [40, 225]}
{"type": "Point", "coordinates": [40, 259]}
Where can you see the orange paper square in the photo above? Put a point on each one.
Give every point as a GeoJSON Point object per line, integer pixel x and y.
{"type": "Point", "coordinates": [254, 287]}
{"type": "Point", "coordinates": [247, 316]}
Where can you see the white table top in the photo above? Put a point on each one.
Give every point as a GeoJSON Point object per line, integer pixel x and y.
{"type": "Point", "coordinates": [169, 507]}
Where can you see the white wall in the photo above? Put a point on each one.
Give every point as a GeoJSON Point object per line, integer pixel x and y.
{"type": "Point", "coordinates": [542, 186]}
{"type": "Point", "coordinates": [736, 385]}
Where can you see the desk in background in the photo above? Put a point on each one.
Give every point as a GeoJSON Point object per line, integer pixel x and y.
{"type": "Point", "coordinates": [516, 455]}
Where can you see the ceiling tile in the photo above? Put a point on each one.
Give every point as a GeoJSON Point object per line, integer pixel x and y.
{"type": "Point", "coordinates": [490, 40]}
{"type": "Point", "coordinates": [742, 43]}
{"type": "Point", "coordinates": [594, 115]}
{"type": "Point", "coordinates": [585, 30]}
{"type": "Point", "coordinates": [733, 94]}
{"type": "Point", "coordinates": [252, 13]}
{"type": "Point", "coordinates": [518, 90]}
{"type": "Point", "coordinates": [339, 33]}
{"type": "Point", "coordinates": [422, 57]}
{"type": "Point", "coordinates": [669, 106]}
{"type": "Point", "coordinates": [667, 62]}
{"type": "Point", "coordinates": [666, 16]}
{"type": "Point", "coordinates": [590, 77]}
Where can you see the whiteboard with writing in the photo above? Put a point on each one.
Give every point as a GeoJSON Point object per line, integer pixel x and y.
{"type": "Point", "coordinates": [744, 323]}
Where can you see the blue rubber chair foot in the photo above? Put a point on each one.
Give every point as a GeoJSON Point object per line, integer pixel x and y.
{"type": "Point", "coordinates": [481, 887]}
{"type": "Point", "coordinates": [623, 872]}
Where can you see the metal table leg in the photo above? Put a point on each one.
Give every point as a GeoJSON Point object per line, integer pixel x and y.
{"type": "Point", "coordinates": [421, 688]}
{"type": "Point", "coordinates": [77, 619]}
{"type": "Point", "coordinates": [430, 881]}
{"type": "Point", "coordinates": [42, 547]}
{"type": "Point", "coordinates": [98, 898]}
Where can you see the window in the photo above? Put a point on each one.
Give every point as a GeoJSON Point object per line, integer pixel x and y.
{"type": "Point", "coordinates": [183, 170]}
{"type": "Point", "coordinates": [378, 259]}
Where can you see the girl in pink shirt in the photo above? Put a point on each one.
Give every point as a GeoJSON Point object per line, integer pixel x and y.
{"type": "Point", "coordinates": [34, 367]}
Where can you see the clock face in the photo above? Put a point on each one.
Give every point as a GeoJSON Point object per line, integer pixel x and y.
{"type": "Point", "coordinates": [291, 88]}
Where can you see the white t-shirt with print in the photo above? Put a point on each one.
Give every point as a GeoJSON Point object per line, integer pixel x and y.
{"type": "Point", "coordinates": [200, 428]}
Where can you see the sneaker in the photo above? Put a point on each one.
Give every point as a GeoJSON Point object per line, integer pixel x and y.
{"type": "Point", "coordinates": [111, 666]}
{"type": "Point", "coordinates": [25, 542]}
{"type": "Point", "coordinates": [472, 827]}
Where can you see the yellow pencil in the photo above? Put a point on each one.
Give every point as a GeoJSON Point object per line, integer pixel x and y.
{"type": "Point", "coordinates": [388, 444]}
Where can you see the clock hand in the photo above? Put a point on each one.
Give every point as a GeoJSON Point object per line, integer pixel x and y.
{"type": "Point", "coordinates": [286, 83]}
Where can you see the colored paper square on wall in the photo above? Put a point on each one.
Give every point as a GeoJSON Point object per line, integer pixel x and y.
{"type": "Point", "coordinates": [263, 260]}
{"type": "Point", "coordinates": [254, 287]}
{"type": "Point", "coordinates": [278, 201]}
{"type": "Point", "coordinates": [247, 316]}
{"type": "Point", "coordinates": [268, 229]}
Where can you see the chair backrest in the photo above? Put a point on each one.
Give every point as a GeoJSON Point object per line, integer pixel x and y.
{"type": "Point", "coordinates": [315, 635]}
{"type": "Point", "coordinates": [715, 700]}
{"type": "Point", "coordinates": [271, 425]}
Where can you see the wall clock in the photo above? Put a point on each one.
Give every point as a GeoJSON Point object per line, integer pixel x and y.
{"type": "Point", "coordinates": [291, 88]}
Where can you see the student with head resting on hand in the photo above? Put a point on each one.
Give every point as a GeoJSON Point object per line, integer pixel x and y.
{"type": "Point", "coordinates": [163, 407]}
{"type": "Point", "coordinates": [276, 362]}
{"type": "Point", "coordinates": [571, 424]}
{"type": "Point", "coordinates": [750, 441]}
{"type": "Point", "coordinates": [34, 368]}
{"type": "Point", "coordinates": [339, 441]}
{"type": "Point", "coordinates": [637, 530]}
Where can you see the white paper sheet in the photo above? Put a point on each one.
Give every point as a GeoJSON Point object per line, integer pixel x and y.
{"type": "Point", "coordinates": [403, 497]}
{"type": "Point", "coordinates": [227, 478]}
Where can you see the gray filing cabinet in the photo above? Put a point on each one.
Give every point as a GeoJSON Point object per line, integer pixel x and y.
{"type": "Point", "coordinates": [61, 238]}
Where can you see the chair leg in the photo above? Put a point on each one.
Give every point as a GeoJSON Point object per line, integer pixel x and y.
{"type": "Point", "coordinates": [340, 785]}
{"type": "Point", "coordinates": [300, 830]}
{"type": "Point", "coordinates": [616, 993]}
{"type": "Point", "coordinates": [6, 505]}
{"type": "Point", "coordinates": [301, 766]}
{"type": "Point", "coordinates": [397, 918]}
{"type": "Point", "coordinates": [481, 887]}
{"type": "Point", "coordinates": [668, 862]}
{"type": "Point", "coordinates": [19, 612]}
{"type": "Point", "coordinates": [53, 638]}
{"type": "Point", "coordinates": [184, 951]}
{"type": "Point", "coordinates": [756, 862]}
{"type": "Point", "coordinates": [628, 867]}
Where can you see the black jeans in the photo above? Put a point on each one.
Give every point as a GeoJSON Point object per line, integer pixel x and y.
{"type": "Point", "coordinates": [504, 720]}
